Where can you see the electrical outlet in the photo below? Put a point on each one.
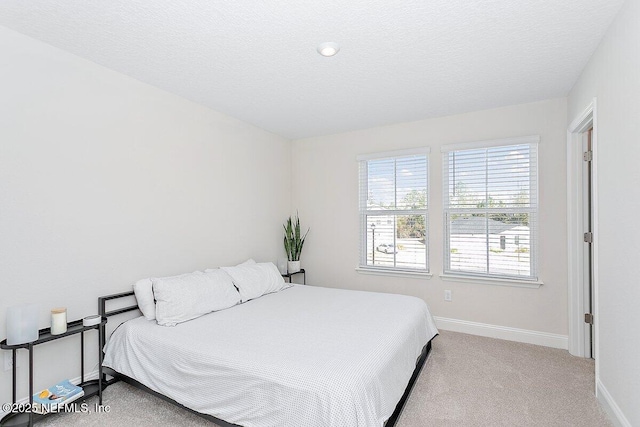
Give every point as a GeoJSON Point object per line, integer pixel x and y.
{"type": "Point", "coordinates": [8, 360]}
{"type": "Point", "coordinates": [447, 295]}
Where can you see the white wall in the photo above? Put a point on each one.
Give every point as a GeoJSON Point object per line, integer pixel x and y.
{"type": "Point", "coordinates": [325, 191]}
{"type": "Point", "coordinates": [613, 76]}
{"type": "Point", "coordinates": [105, 180]}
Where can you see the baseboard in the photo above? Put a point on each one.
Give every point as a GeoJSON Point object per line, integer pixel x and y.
{"type": "Point", "coordinates": [503, 332]}
{"type": "Point", "coordinates": [87, 377]}
{"type": "Point", "coordinates": [610, 406]}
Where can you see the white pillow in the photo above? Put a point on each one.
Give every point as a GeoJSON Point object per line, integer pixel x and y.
{"type": "Point", "coordinates": [255, 280]}
{"type": "Point", "coordinates": [185, 297]}
{"type": "Point", "coordinates": [143, 289]}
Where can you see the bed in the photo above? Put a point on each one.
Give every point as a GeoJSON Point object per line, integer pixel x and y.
{"type": "Point", "coordinates": [303, 356]}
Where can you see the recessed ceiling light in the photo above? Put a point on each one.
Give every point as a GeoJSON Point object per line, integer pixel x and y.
{"type": "Point", "coordinates": [328, 48]}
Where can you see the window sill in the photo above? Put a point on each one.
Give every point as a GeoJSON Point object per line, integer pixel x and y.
{"type": "Point", "coordinates": [533, 284]}
{"type": "Point", "coordinates": [396, 273]}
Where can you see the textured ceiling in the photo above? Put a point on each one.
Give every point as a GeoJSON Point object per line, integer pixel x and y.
{"type": "Point", "coordinates": [400, 60]}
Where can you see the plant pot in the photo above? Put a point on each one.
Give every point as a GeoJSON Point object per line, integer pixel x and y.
{"type": "Point", "coordinates": [293, 266]}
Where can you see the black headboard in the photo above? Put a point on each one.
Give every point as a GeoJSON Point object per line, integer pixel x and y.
{"type": "Point", "coordinates": [102, 311]}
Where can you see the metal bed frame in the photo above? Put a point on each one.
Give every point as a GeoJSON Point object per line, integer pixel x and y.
{"type": "Point", "coordinates": [102, 310]}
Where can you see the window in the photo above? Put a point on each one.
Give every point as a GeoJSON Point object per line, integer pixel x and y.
{"type": "Point", "coordinates": [490, 204]}
{"type": "Point", "coordinates": [393, 211]}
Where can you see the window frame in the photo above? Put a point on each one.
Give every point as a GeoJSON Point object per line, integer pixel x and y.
{"type": "Point", "coordinates": [364, 212]}
{"type": "Point", "coordinates": [533, 210]}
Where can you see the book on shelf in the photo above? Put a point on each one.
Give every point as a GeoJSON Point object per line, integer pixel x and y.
{"type": "Point", "coordinates": [55, 397]}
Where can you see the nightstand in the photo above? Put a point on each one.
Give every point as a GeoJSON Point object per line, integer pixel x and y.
{"type": "Point", "coordinates": [91, 388]}
{"type": "Point", "coordinates": [304, 276]}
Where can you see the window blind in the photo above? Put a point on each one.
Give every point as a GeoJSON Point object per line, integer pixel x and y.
{"type": "Point", "coordinates": [490, 201]}
{"type": "Point", "coordinates": [394, 210]}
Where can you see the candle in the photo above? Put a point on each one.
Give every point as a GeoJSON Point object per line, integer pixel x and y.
{"type": "Point", "coordinates": [58, 321]}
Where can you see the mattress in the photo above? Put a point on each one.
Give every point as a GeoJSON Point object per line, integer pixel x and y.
{"type": "Point", "coordinates": [304, 356]}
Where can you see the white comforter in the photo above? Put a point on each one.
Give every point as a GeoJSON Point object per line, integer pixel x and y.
{"type": "Point", "coordinates": [304, 356]}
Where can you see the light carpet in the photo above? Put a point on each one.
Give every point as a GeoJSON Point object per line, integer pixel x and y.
{"type": "Point", "coordinates": [467, 381]}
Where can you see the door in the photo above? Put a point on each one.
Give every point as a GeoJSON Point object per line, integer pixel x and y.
{"type": "Point", "coordinates": [587, 209]}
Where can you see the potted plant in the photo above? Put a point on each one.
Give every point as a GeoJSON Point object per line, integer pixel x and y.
{"type": "Point", "coordinates": [293, 242]}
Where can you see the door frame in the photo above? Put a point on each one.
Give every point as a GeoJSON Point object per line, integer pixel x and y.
{"type": "Point", "coordinates": [576, 291]}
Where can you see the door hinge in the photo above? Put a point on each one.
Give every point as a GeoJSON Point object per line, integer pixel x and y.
{"type": "Point", "coordinates": [587, 156]}
{"type": "Point", "coordinates": [588, 237]}
{"type": "Point", "coordinates": [588, 318]}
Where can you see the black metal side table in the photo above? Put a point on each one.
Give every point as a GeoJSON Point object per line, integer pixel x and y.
{"type": "Point", "coordinates": [304, 276]}
{"type": "Point", "coordinates": [91, 388]}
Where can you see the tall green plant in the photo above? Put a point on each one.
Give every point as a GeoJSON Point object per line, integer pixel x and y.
{"type": "Point", "coordinates": [293, 238]}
